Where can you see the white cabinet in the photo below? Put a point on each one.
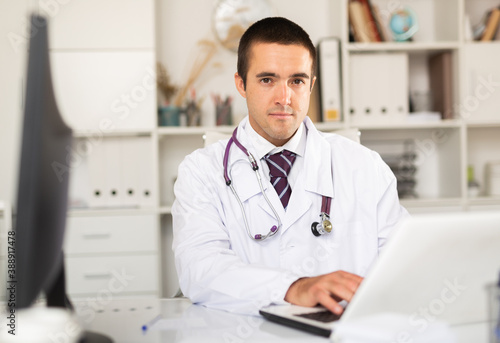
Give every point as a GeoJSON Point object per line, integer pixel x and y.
{"type": "Point", "coordinates": [444, 148]}
{"type": "Point", "coordinates": [104, 76]}
{"type": "Point", "coordinates": [101, 25]}
{"type": "Point", "coordinates": [116, 254]}
{"type": "Point", "coordinates": [105, 91]}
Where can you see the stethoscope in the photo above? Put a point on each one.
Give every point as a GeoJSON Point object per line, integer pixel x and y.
{"type": "Point", "coordinates": [317, 228]}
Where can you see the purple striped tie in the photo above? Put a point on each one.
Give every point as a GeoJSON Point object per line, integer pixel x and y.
{"type": "Point", "coordinates": [279, 167]}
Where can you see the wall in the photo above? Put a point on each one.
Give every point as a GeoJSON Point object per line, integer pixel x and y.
{"type": "Point", "coordinates": [179, 28]}
{"type": "Point", "coordinates": [13, 43]}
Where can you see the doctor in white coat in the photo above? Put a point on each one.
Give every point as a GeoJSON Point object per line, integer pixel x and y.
{"type": "Point", "coordinates": [219, 262]}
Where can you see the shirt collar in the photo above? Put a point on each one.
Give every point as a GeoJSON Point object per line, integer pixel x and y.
{"type": "Point", "coordinates": [297, 144]}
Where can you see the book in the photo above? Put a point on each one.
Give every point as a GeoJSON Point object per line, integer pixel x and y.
{"type": "Point", "coordinates": [359, 25]}
{"type": "Point", "coordinates": [491, 25]}
{"type": "Point", "coordinates": [440, 70]}
{"type": "Point", "coordinates": [381, 25]}
{"type": "Point", "coordinates": [478, 29]}
{"type": "Point", "coordinates": [370, 21]}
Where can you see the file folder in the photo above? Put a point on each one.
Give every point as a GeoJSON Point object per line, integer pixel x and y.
{"type": "Point", "coordinates": [130, 187]}
{"type": "Point", "coordinates": [379, 88]}
{"type": "Point", "coordinates": [329, 79]}
{"type": "Point", "coordinates": [113, 174]}
{"type": "Point", "coordinates": [98, 196]}
{"type": "Point", "coordinates": [147, 191]}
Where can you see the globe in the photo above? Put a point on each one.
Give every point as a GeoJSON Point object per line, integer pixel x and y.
{"type": "Point", "coordinates": [403, 24]}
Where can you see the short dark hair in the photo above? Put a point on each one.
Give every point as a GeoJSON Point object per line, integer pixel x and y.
{"type": "Point", "coordinates": [272, 30]}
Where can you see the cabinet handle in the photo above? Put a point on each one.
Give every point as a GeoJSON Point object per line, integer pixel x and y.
{"type": "Point", "coordinates": [97, 275]}
{"type": "Point", "coordinates": [96, 235]}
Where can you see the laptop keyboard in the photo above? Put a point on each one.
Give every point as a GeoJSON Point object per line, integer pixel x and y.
{"type": "Point", "coordinates": [322, 316]}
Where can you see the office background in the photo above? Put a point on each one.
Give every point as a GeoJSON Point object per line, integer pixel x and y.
{"type": "Point", "coordinates": [124, 164]}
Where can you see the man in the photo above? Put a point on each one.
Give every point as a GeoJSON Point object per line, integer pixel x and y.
{"type": "Point", "coordinates": [221, 259]}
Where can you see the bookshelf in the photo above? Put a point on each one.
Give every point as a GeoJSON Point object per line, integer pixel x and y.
{"type": "Point", "coordinates": [446, 147]}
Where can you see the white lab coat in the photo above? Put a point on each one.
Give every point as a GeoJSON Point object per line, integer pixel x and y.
{"type": "Point", "coordinates": [221, 267]}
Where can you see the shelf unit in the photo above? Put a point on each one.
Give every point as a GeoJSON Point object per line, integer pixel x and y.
{"type": "Point", "coordinates": [448, 146]}
{"type": "Point", "coordinates": [105, 83]}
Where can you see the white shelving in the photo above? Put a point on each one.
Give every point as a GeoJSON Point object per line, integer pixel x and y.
{"type": "Point", "coordinates": [445, 147]}
{"type": "Point", "coordinates": [448, 146]}
{"type": "Point", "coordinates": [103, 66]}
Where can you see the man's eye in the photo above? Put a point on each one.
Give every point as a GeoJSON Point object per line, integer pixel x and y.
{"type": "Point", "coordinates": [266, 80]}
{"type": "Point", "coordinates": [298, 81]}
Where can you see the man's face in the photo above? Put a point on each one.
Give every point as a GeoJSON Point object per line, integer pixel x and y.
{"type": "Point", "coordinates": [278, 89]}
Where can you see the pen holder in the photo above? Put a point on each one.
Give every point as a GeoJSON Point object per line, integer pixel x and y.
{"type": "Point", "coordinates": [224, 114]}
{"type": "Point", "coordinates": [169, 115]}
{"type": "Point", "coordinates": [494, 315]}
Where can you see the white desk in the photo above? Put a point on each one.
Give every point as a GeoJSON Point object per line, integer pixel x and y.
{"type": "Point", "coordinates": [122, 320]}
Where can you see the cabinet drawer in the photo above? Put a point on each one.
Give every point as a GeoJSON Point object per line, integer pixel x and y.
{"type": "Point", "coordinates": [111, 234]}
{"type": "Point", "coordinates": [112, 276]}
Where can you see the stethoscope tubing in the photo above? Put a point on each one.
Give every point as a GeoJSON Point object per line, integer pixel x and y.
{"type": "Point", "coordinates": [325, 204]}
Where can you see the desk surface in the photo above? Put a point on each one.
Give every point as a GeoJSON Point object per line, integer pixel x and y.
{"type": "Point", "coordinates": [184, 322]}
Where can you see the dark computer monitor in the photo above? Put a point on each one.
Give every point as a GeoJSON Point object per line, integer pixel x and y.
{"type": "Point", "coordinates": [43, 185]}
{"type": "Point", "coordinates": [43, 189]}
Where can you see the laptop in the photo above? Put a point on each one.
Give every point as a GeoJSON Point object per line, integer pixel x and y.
{"type": "Point", "coordinates": [435, 267]}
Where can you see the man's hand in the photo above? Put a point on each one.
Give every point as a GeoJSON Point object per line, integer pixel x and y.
{"type": "Point", "coordinates": [327, 290]}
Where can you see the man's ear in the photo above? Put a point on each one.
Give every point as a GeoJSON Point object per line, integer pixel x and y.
{"type": "Point", "coordinates": [313, 82]}
{"type": "Point", "coordinates": [240, 85]}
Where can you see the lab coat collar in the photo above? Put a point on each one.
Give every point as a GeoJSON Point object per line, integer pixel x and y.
{"type": "Point", "coordinates": [318, 167]}
{"type": "Point", "coordinates": [316, 177]}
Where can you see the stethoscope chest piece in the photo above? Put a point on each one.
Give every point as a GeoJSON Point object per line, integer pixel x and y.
{"type": "Point", "coordinates": [320, 228]}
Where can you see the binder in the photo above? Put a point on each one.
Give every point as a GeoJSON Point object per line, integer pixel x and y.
{"type": "Point", "coordinates": [147, 191]}
{"type": "Point", "coordinates": [113, 178]}
{"type": "Point", "coordinates": [378, 88]}
{"type": "Point", "coordinates": [98, 196]}
{"type": "Point", "coordinates": [329, 79]}
{"type": "Point", "coordinates": [130, 186]}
